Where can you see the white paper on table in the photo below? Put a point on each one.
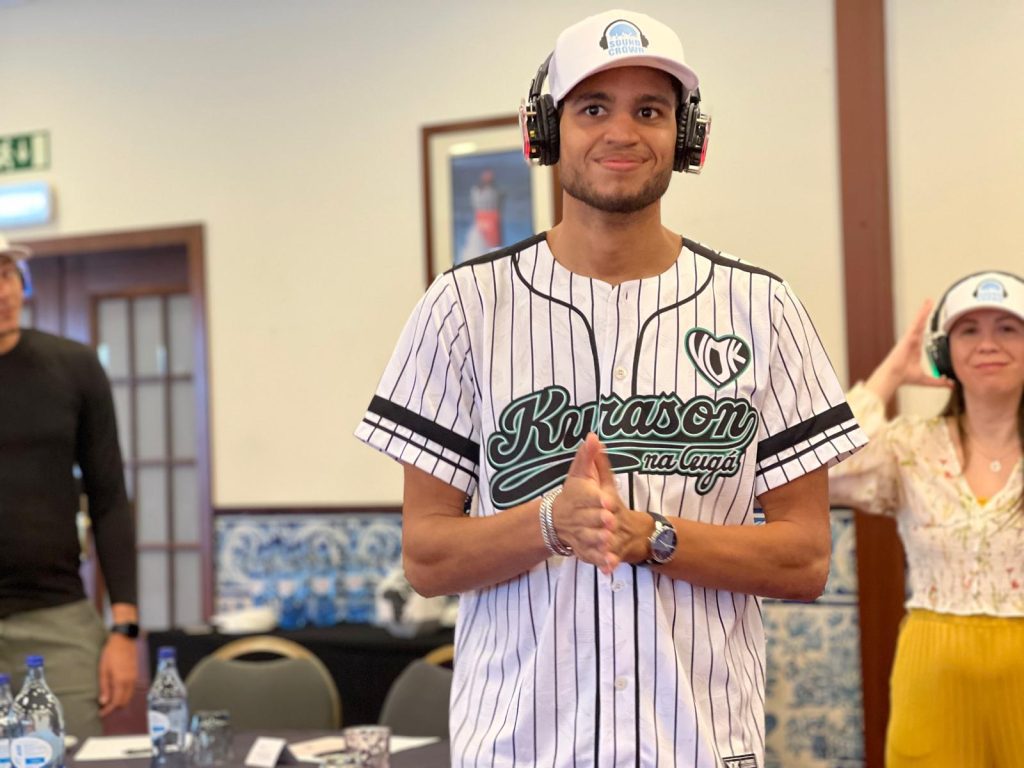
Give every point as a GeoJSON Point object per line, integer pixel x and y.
{"type": "Point", "coordinates": [115, 748]}
{"type": "Point", "coordinates": [264, 752]}
{"type": "Point", "coordinates": [402, 743]}
{"type": "Point", "coordinates": [316, 750]}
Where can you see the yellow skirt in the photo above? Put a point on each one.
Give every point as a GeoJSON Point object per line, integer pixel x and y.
{"type": "Point", "coordinates": [957, 693]}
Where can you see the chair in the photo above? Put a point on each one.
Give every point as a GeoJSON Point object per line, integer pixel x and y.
{"type": "Point", "coordinates": [294, 690]}
{"type": "Point", "coordinates": [417, 701]}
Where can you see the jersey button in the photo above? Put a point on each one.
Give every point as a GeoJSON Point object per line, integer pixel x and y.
{"type": "Point", "coordinates": [620, 683]}
{"type": "Point", "coordinates": [617, 586]}
{"type": "Point", "coordinates": [620, 373]}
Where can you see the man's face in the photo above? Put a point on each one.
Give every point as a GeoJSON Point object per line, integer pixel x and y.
{"type": "Point", "coordinates": [617, 139]}
{"type": "Point", "coordinates": [12, 295]}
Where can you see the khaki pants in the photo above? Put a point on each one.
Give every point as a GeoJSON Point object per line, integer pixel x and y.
{"type": "Point", "coordinates": [69, 638]}
{"type": "Point", "coordinates": [957, 693]}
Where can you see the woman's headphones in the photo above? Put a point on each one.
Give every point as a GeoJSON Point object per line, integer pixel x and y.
{"type": "Point", "coordinates": [538, 117]}
{"type": "Point", "coordinates": [937, 346]}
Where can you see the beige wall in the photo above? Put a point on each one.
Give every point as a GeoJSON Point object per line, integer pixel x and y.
{"type": "Point", "coordinates": [291, 130]}
{"type": "Point", "coordinates": [956, 118]}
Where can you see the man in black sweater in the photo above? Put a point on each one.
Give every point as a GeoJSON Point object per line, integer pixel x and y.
{"type": "Point", "coordinates": [56, 412]}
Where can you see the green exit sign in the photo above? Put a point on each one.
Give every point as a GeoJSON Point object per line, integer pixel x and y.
{"type": "Point", "coordinates": [25, 152]}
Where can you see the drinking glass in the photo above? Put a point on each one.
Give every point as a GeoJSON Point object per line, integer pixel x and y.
{"type": "Point", "coordinates": [371, 743]}
{"type": "Point", "coordinates": [211, 738]}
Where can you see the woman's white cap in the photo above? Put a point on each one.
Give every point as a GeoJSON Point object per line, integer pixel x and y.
{"type": "Point", "coordinates": [615, 39]}
{"type": "Point", "coordinates": [984, 290]}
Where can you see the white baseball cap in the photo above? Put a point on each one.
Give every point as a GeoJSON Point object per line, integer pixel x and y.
{"type": "Point", "coordinates": [615, 39]}
{"type": "Point", "coordinates": [13, 252]}
{"type": "Point", "coordinates": [984, 290]}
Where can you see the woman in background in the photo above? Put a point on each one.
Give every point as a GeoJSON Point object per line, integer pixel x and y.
{"type": "Point", "coordinates": [955, 485]}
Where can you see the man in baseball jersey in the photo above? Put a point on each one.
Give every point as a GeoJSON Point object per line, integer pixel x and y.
{"type": "Point", "coordinates": [618, 398]}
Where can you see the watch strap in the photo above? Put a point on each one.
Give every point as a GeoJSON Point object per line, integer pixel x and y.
{"type": "Point", "coordinates": [127, 628]}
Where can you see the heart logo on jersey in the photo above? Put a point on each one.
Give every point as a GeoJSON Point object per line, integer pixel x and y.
{"type": "Point", "coordinates": [719, 359]}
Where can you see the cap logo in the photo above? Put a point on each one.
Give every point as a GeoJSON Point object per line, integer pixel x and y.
{"type": "Point", "coordinates": [623, 38]}
{"type": "Point", "coordinates": [991, 291]}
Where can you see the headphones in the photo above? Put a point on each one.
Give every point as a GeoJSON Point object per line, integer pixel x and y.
{"type": "Point", "coordinates": [538, 118]}
{"type": "Point", "coordinates": [937, 346]}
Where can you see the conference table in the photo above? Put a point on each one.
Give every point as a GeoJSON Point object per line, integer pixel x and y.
{"type": "Point", "coordinates": [363, 659]}
{"type": "Point", "coordinates": [431, 756]}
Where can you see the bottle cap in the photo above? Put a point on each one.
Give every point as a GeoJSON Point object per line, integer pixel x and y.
{"type": "Point", "coordinates": [33, 661]}
{"type": "Point", "coordinates": [166, 652]}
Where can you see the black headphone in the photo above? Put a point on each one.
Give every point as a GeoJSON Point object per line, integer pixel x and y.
{"type": "Point", "coordinates": [538, 117]}
{"type": "Point", "coordinates": [937, 345]}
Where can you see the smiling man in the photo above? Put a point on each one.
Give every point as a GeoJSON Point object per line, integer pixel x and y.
{"type": "Point", "coordinates": [618, 398]}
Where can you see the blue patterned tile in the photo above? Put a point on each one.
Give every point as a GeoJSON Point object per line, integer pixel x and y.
{"type": "Point", "coordinates": [338, 557]}
{"type": "Point", "coordinates": [813, 700]}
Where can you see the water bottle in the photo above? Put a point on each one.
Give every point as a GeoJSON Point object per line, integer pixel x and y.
{"type": "Point", "coordinates": [167, 710]}
{"type": "Point", "coordinates": [41, 742]}
{"type": "Point", "coordinates": [10, 722]}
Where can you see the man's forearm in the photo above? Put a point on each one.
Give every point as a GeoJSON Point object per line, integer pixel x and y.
{"type": "Point", "coordinates": [445, 555]}
{"type": "Point", "coordinates": [778, 559]}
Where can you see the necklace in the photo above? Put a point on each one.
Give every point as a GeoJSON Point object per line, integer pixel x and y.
{"type": "Point", "coordinates": [994, 464]}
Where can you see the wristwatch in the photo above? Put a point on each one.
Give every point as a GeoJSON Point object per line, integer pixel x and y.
{"type": "Point", "coordinates": [662, 541]}
{"type": "Point", "coordinates": [128, 629]}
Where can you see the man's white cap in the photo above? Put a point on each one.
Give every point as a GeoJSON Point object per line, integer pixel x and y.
{"type": "Point", "coordinates": [985, 290]}
{"type": "Point", "coordinates": [615, 39]}
{"type": "Point", "coordinates": [13, 252]}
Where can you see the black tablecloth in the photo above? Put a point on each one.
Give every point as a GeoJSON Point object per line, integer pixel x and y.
{"type": "Point", "coordinates": [431, 756]}
{"type": "Point", "coordinates": [363, 660]}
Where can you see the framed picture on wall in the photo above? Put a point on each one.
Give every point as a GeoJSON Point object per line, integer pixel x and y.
{"type": "Point", "coordinates": [479, 194]}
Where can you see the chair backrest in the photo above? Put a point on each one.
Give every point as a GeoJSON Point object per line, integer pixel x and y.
{"type": "Point", "coordinates": [293, 690]}
{"type": "Point", "coordinates": [417, 701]}
{"type": "Point", "coordinates": [442, 655]}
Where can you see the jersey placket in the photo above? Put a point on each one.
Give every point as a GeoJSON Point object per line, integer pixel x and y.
{"type": "Point", "coordinates": [615, 329]}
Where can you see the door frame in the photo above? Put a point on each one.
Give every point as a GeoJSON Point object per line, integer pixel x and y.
{"type": "Point", "coordinates": [190, 238]}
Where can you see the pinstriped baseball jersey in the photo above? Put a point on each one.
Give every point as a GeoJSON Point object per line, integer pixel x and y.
{"type": "Point", "coordinates": [708, 385]}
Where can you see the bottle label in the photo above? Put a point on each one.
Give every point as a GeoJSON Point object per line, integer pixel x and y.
{"type": "Point", "coordinates": [30, 752]}
{"type": "Point", "coordinates": [158, 724]}
{"type": "Point", "coordinates": [5, 753]}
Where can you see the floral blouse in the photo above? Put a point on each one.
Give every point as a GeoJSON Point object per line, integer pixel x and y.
{"type": "Point", "coordinates": [965, 556]}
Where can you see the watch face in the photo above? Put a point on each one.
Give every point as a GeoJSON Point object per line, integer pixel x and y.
{"type": "Point", "coordinates": [663, 544]}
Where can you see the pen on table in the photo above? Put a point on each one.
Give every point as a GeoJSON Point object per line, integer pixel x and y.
{"type": "Point", "coordinates": [140, 751]}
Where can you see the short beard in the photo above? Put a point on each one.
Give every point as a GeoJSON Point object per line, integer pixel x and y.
{"type": "Point", "coordinates": [651, 192]}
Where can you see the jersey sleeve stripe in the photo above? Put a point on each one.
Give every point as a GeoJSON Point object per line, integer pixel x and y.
{"type": "Point", "coordinates": [410, 449]}
{"type": "Point", "coordinates": [849, 429]}
{"type": "Point", "coordinates": [805, 430]}
{"type": "Point", "coordinates": [454, 442]}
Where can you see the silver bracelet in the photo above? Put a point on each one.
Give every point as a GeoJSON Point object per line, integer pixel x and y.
{"type": "Point", "coordinates": [547, 524]}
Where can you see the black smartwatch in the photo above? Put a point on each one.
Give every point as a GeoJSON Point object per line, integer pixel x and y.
{"type": "Point", "coordinates": [662, 541]}
{"type": "Point", "coordinates": [128, 629]}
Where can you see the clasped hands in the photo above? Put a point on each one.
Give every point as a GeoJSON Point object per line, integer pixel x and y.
{"type": "Point", "coordinates": [590, 516]}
